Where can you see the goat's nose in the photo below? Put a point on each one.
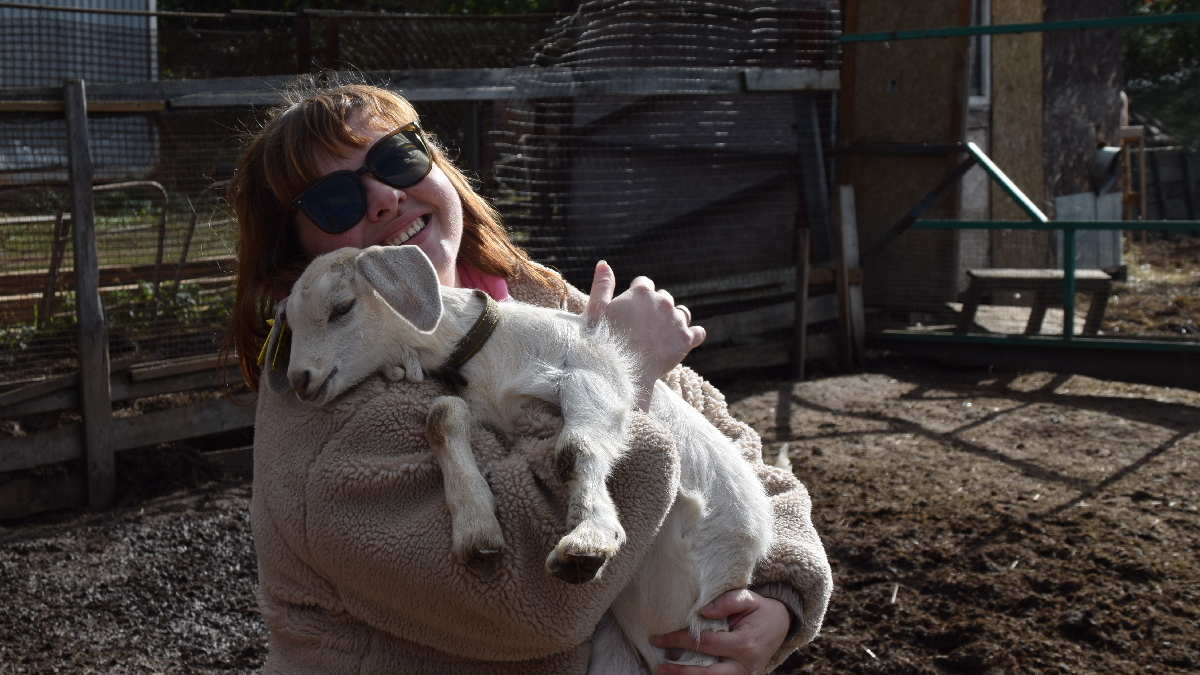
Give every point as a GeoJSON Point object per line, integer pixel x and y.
{"type": "Point", "coordinates": [300, 381]}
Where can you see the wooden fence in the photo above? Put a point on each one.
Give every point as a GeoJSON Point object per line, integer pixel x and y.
{"type": "Point", "coordinates": [760, 319]}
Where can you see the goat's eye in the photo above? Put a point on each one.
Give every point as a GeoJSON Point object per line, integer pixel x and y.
{"type": "Point", "coordinates": [341, 310]}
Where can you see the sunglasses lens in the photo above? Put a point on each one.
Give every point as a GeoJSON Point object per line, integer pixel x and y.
{"type": "Point", "coordinates": [335, 203]}
{"type": "Point", "coordinates": [400, 160]}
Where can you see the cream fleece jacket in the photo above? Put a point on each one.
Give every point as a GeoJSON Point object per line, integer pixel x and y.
{"type": "Point", "coordinates": [352, 533]}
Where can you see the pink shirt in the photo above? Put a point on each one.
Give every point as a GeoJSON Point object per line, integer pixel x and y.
{"type": "Point", "coordinates": [470, 277]}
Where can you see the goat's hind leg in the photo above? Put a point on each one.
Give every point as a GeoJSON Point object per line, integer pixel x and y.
{"type": "Point", "coordinates": [475, 531]}
{"type": "Point", "coordinates": [594, 407]}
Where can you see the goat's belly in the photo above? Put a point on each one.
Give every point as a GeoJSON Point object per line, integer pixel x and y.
{"type": "Point", "coordinates": [663, 595]}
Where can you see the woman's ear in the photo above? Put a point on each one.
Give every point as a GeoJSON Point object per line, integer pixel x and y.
{"type": "Point", "coordinates": [406, 280]}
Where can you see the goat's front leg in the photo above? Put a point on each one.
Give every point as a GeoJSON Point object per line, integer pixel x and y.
{"type": "Point", "coordinates": [403, 364]}
{"type": "Point", "coordinates": [591, 441]}
{"type": "Point", "coordinates": [475, 531]}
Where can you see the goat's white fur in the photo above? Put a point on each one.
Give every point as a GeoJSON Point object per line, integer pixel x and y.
{"type": "Point", "coordinates": [353, 313]}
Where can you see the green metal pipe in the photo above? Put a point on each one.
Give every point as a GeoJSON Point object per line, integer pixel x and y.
{"type": "Point", "coordinates": [1167, 225]}
{"type": "Point", "coordinates": [961, 31]}
{"type": "Point", "coordinates": [1009, 187]}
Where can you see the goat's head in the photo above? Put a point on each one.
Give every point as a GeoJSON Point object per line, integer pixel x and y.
{"type": "Point", "coordinates": [349, 311]}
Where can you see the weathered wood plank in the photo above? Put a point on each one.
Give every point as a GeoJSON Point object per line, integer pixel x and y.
{"type": "Point", "coordinates": [31, 495]}
{"type": "Point", "coordinates": [124, 389]}
{"type": "Point", "coordinates": [460, 84]}
{"type": "Point", "coordinates": [727, 327]}
{"type": "Point", "coordinates": [177, 424]}
{"type": "Point", "coordinates": [750, 286]}
{"type": "Point", "coordinates": [792, 79]}
{"type": "Point", "coordinates": [95, 401]}
{"type": "Point", "coordinates": [29, 281]}
{"type": "Point", "coordinates": [821, 345]}
{"type": "Point", "coordinates": [63, 444]}
{"type": "Point", "coordinates": [92, 106]}
{"type": "Point", "coordinates": [164, 426]}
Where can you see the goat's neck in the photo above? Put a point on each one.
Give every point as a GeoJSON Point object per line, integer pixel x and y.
{"type": "Point", "coordinates": [460, 310]}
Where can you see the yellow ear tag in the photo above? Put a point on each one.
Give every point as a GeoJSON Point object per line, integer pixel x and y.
{"type": "Point", "coordinates": [262, 353]}
{"type": "Point", "coordinates": [283, 331]}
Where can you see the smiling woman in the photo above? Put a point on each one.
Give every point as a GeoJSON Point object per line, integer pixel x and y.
{"type": "Point", "coordinates": [353, 554]}
{"type": "Point", "coordinates": [298, 163]}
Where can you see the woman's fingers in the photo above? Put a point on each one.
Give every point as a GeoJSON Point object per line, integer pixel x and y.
{"type": "Point", "coordinates": [687, 313]}
{"type": "Point", "coordinates": [604, 283]}
{"type": "Point", "coordinates": [731, 605]}
{"type": "Point", "coordinates": [758, 627]}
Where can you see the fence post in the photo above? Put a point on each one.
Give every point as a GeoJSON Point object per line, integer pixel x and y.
{"type": "Point", "coordinates": [94, 394]}
{"type": "Point", "coordinates": [303, 43]}
{"type": "Point", "coordinates": [1069, 283]}
{"type": "Point", "coordinates": [800, 326]}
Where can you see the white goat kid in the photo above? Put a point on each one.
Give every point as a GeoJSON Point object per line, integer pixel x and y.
{"type": "Point", "coordinates": [353, 313]}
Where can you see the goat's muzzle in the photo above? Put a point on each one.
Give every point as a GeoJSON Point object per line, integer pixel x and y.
{"type": "Point", "coordinates": [302, 383]}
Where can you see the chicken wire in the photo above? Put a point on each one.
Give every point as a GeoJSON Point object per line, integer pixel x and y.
{"type": "Point", "coordinates": [680, 186]}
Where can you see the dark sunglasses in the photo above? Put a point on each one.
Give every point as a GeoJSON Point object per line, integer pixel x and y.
{"type": "Point", "coordinates": [339, 200]}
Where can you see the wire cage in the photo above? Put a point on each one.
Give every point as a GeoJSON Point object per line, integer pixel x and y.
{"type": "Point", "coordinates": [625, 131]}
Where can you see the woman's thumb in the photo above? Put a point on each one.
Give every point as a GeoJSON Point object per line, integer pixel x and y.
{"type": "Point", "coordinates": [604, 282]}
{"type": "Point", "coordinates": [729, 603]}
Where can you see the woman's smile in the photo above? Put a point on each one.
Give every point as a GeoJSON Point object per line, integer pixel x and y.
{"type": "Point", "coordinates": [404, 236]}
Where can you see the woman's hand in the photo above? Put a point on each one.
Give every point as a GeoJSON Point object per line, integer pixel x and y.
{"type": "Point", "coordinates": [656, 328]}
{"type": "Point", "coordinates": [757, 628]}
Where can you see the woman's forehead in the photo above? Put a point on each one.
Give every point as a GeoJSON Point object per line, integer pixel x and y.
{"type": "Point", "coordinates": [371, 127]}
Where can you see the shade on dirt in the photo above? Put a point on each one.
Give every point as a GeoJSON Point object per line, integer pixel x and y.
{"type": "Point", "coordinates": [977, 523]}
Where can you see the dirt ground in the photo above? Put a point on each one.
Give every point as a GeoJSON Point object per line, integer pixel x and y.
{"type": "Point", "coordinates": [977, 522]}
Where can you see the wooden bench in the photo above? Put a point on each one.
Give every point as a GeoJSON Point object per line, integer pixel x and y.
{"type": "Point", "coordinates": [1046, 287]}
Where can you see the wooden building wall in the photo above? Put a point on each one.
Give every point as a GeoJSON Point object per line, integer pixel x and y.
{"type": "Point", "coordinates": [911, 91]}
{"type": "Point", "coordinates": [1017, 134]}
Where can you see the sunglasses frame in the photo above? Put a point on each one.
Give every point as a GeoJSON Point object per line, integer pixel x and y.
{"type": "Point", "coordinates": [357, 174]}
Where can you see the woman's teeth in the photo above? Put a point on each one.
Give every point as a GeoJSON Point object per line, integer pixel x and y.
{"type": "Point", "coordinates": [417, 226]}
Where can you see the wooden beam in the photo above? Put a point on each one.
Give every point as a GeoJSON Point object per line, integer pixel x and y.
{"type": "Point", "coordinates": [65, 443]}
{"type": "Point", "coordinates": [456, 84]}
{"type": "Point", "coordinates": [800, 319]}
{"type": "Point", "coordinates": [849, 236]}
{"type": "Point", "coordinates": [92, 106]}
{"type": "Point", "coordinates": [124, 389]}
{"type": "Point", "coordinates": [842, 281]}
{"type": "Point", "coordinates": [751, 286]}
{"type": "Point", "coordinates": [15, 283]}
{"type": "Point", "coordinates": [726, 327]}
{"type": "Point", "coordinates": [29, 495]}
{"type": "Point", "coordinates": [707, 361]}
{"type": "Point", "coordinates": [94, 393]}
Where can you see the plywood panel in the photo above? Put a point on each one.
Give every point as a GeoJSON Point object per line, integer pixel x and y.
{"type": "Point", "coordinates": [904, 92]}
{"type": "Point", "coordinates": [1017, 132]}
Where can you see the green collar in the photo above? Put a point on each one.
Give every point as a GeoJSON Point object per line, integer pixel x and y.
{"type": "Point", "coordinates": [470, 344]}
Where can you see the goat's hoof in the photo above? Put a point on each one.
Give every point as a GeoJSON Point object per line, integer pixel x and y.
{"type": "Point", "coordinates": [482, 546]}
{"type": "Point", "coordinates": [575, 568]}
{"type": "Point", "coordinates": [483, 556]}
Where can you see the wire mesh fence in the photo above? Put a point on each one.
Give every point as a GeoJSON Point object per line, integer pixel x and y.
{"type": "Point", "coordinates": [666, 177]}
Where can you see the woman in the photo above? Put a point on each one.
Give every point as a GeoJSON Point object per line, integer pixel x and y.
{"type": "Point", "coordinates": [350, 167]}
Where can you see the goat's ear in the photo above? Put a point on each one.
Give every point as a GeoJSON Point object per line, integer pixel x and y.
{"type": "Point", "coordinates": [404, 277]}
{"type": "Point", "coordinates": [277, 352]}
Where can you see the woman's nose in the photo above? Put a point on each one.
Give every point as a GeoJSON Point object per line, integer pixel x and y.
{"type": "Point", "coordinates": [382, 200]}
